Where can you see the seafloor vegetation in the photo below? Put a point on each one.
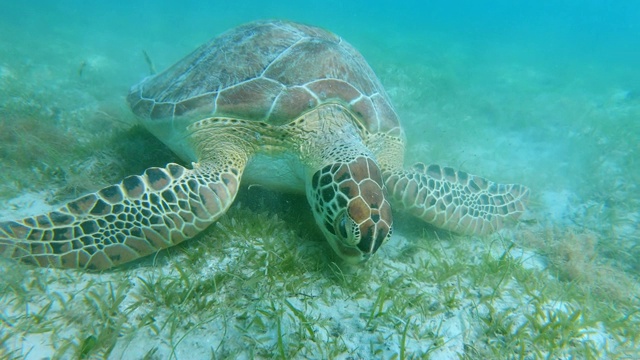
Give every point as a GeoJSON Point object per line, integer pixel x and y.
{"type": "Point", "coordinates": [261, 283]}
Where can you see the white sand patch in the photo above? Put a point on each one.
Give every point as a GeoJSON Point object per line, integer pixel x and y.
{"type": "Point", "coordinates": [530, 259]}
{"type": "Point", "coordinates": [6, 74]}
{"type": "Point", "coordinates": [26, 204]}
{"type": "Point", "coordinates": [557, 207]}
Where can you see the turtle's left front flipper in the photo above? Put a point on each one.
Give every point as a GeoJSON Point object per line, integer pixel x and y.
{"type": "Point", "coordinates": [123, 222]}
{"type": "Point", "coordinates": [454, 200]}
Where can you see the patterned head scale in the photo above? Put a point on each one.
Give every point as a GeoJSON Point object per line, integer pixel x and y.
{"type": "Point", "coordinates": [351, 207]}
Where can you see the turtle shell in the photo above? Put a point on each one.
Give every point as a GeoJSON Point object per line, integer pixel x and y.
{"type": "Point", "coordinates": [270, 71]}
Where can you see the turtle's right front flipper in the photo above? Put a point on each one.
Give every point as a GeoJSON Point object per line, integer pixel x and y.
{"type": "Point", "coordinates": [123, 222]}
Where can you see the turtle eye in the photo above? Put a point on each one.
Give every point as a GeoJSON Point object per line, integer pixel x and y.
{"type": "Point", "coordinates": [342, 226]}
{"type": "Point", "coordinates": [346, 229]}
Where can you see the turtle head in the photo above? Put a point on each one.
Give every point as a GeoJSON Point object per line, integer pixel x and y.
{"type": "Point", "coordinates": [350, 206]}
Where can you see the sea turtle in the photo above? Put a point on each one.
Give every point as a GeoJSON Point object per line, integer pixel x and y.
{"type": "Point", "coordinates": [285, 105]}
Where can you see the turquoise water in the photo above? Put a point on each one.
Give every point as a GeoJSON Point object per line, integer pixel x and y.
{"type": "Point", "coordinates": [543, 93]}
{"type": "Point", "coordinates": [571, 34]}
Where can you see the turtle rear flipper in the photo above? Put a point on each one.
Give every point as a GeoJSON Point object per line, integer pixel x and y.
{"type": "Point", "coordinates": [454, 200]}
{"type": "Point", "coordinates": [123, 222]}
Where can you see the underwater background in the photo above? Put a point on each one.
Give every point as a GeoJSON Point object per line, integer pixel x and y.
{"type": "Point", "coordinates": [543, 93]}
